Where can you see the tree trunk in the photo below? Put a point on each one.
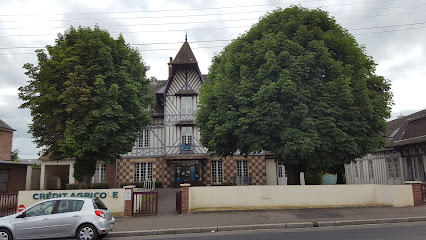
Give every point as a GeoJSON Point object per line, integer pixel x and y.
{"type": "Point", "coordinates": [339, 172]}
{"type": "Point", "coordinates": [86, 183]}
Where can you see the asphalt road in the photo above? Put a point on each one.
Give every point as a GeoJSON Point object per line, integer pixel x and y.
{"type": "Point", "coordinates": [406, 231]}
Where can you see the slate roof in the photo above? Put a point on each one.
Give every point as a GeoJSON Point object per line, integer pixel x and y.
{"type": "Point", "coordinates": [185, 55]}
{"type": "Point", "coordinates": [407, 130]}
{"type": "Point", "coordinates": [4, 126]}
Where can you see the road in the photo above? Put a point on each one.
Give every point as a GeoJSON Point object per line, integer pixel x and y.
{"type": "Point", "coordinates": [410, 231]}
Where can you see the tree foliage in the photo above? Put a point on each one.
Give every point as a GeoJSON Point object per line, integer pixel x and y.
{"type": "Point", "coordinates": [299, 85]}
{"type": "Point", "coordinates": [88, 97]}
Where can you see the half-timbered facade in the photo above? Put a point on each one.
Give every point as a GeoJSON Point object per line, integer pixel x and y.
{"type": "Point", "coordinates": [169, 149]}
{"type": "Point", "coordinates": [402, 160]}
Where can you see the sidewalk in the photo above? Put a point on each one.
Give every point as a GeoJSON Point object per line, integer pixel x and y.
{"type": "Point", "coordinates": [169, 222]}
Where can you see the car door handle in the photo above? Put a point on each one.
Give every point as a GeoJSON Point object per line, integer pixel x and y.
{"type": "Point", "coordinates": [76, 216]}
{"type": "Point", "coordinates": [46, 219]}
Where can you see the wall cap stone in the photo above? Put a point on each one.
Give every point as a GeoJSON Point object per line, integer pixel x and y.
{"type": "Point", "coordinates": [413, 182]}
{"type": "Point", "coordinates": [185, 185]}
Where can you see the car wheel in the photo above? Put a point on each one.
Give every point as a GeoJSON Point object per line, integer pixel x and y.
{"type": "Point", "coordinates": [87, 232]}
{"type": "Point", "coordinates": [5, 234]}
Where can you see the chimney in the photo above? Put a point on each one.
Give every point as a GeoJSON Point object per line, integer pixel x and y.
{"type": "Point", "coordinates": [170, 65]}
{"type": "Point", "coordinates": [400, 116]}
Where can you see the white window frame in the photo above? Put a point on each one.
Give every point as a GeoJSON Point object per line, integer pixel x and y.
{"type": "Point", "coordinates": [100, 173]}
{"type": "Point", "coordinates": [242, 168]}
{"type": "Point", "coordinates": [143, 139]}
{"type": "Point", "coordinates": [217, 171]}
{"type": "Point", "coordinates": [186, 135]}
{"type": "Point", "coordinates": [186, 105]}
{"type": "Point", "coordinates": [143, 171]}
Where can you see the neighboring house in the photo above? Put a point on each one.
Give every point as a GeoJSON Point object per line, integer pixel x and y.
{"type": "Point", "coordinates": [402, 160]}
{"type": "Point", "coordinates": [13, 175]}
{"type": "Point", "coordinates": [169, 150]}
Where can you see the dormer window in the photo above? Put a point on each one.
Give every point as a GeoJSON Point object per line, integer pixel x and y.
{"type": "Point", "coordinates": [186, 105]}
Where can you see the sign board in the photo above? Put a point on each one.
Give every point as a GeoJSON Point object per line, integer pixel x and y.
{"type": "Point", "coordinates": [21, 208]}
{"type": "Point", "coordinates": [127, 194]}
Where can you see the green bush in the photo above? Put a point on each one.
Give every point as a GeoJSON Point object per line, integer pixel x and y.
{"type": "Point", "coordinates": [102, 185]}
{"type": "Point", "coordinates": [158, 184]}
{"type": "Point", "coordinates": [227, 184]}
{"type": "Point", "coordinates": [71, 186]}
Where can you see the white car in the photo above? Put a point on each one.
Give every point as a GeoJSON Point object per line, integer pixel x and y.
{"type": "Point", "coordinates": [82, 218]}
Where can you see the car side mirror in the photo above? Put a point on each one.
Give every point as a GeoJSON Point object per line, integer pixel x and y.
{"type": "Point", "coordinates": [22, 215]}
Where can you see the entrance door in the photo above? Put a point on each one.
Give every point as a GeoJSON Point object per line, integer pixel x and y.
{"type": "Point", "coordinates": [281, 174]}
{"type": "Point", "coordinates": [189, 171]}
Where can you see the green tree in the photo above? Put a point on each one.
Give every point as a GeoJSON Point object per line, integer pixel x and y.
{"type": "Point", "coordinates": [88, 97]}
{"type": "Point", "coordinates": [299, 85]}
{"type": "Point", "coordinates": [15, 155]}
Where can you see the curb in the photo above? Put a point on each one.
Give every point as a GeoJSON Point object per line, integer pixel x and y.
{"type": "Point", "coordinates": [264, 226]}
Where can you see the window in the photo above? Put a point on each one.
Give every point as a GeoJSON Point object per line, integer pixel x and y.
{"type": "Point", "coordinates": [389, 163]}
{"type": "Point", "coordinates": [186, 105]}
{"type": "Point", "coordinates": [143, 139]}
{"type": "Point", "coordinates": [4, 179]}
{"type": "Point", "coordinates": [397, 168]}
{"type": "Point", "coordinates": [280, 171]}
{"type": "Point", "coordinates": [44, 208]}
{"type": "Point", "coordinates": [100, 174]}
{"type": "Point", "coordinates": [186, 133]}
{"type": "Point", "coordinates": [217, 171]}
{"type": "Point", "coordinates": [70, 206]}
{"type": "Point", "coordinates": [242, 167]}
{"type": "Point", "coordinates": [143, 172]}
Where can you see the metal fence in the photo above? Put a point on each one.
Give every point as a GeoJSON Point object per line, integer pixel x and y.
{"type": "Point", "coordinates": [145, 202]}
{"type": "Point", "coordinates": [8, 203]}
{"type": "Point", "coordinates": [179, 202]}
{"type": "Point", "coordinates": [241, 181]}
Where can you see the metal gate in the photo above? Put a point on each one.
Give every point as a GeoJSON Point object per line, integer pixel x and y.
{"type": "Point", "coordinates": [8, 204]}
{"type": "Point", "coordinates": [424, 193]}
{"type": "Point", "coordinates": [179, 202]}
{"type": "Point", "coordinates": [145, 203]}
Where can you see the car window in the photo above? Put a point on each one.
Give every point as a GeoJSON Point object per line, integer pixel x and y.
{"type": "Point", "coordinates": [98, 204]}
{"type": "Point", "coordinates": [44, 208]}
{"type": "Point", "coordinates": [70, 206]}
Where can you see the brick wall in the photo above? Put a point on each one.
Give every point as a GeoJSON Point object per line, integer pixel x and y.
{"type": "Point", "coordinates": [111, 175]}
{"type": "Point", "coordinates": [17, 178]}
{"type": "Point", "coordinates": [5, 144]}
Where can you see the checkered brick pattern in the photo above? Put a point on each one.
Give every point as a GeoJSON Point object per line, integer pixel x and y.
{"type": "Point", "coordinates": [257, 169]}
{"type": "Point", "coordinates": [161, 172]}
{"type": "Point", "coordinates": [125, 170]}
{"type": "Point", "coordinates": [207, 172]}
{"type": "Point", "coordinates": [229, 170]}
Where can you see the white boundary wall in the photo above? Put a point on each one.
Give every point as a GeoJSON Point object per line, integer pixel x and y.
{"type": "Point", "coordinates": [113, 198]}
{"type": "Point", "coordinates": [300, 196]}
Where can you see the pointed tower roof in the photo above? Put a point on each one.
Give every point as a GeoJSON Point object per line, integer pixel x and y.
{"type": "Point", "coordinates": [185, 55]}
{"type": "Point", "coordinates": [4, 126]}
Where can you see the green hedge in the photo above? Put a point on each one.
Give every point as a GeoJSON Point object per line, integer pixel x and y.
{"type": "Point", "coordinates": [74, 186]}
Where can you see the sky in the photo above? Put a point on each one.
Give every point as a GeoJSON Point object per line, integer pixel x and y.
{"type": "Point", "coordinates": [393, 33]}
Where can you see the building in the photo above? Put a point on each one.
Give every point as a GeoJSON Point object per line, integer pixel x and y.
{"type": "Point", "coordinates": [402, 160]}
{"type": "Point", "coordinates": [14, 176]}
{"type": "Point", "coordinates": [169, 149]}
